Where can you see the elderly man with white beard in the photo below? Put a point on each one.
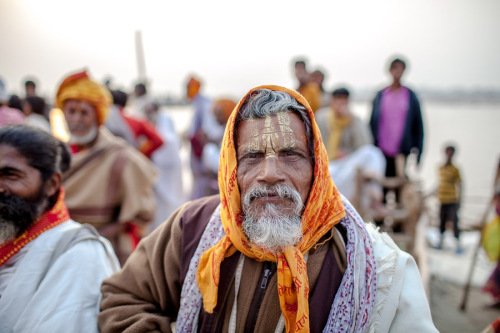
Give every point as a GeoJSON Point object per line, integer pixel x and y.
{"type": "Point", "coordinates": [50, 266]}
{"type": "Point", "coordinates": [280, 250]}
{"type": "Point", "coordinates": [110, 184]}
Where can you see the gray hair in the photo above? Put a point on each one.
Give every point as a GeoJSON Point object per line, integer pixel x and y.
{"type": "Point", "coordinates": [265, 102]}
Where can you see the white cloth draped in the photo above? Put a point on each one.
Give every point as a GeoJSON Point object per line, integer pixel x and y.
{"type": "Point", "coordinates": [64, 298]}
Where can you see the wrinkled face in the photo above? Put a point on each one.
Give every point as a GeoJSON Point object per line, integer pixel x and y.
{"type": "Point", "coordinates": [273, 151]}
{"type": "Point", "coordinates": [81, 117]}
{"type": "Point", "coordinates": [23, 196]}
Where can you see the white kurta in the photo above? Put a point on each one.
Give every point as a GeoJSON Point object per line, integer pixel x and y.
{"type": "Point", "coordinates": [61, 298]}
{"type": "Point", "coordinates": [400, 304]}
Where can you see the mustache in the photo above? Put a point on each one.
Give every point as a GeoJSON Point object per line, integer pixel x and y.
{"type": "Point", "coordinates": [282, 191]}
{"type": "Point", "coordinates": [76, 127]}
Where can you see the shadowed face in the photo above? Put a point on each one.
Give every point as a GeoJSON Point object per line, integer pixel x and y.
{"type": "Point", "coordinates": [397, 70]}
{"type": "Point", "coordinates": [273, 151]}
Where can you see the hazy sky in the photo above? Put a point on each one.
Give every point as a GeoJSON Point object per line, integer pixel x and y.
{"type": "Point", "coordinates": [235, 45]}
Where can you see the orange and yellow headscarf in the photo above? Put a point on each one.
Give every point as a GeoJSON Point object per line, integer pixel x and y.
{"type": "Point", "coordinates": [79, 86]}
{"type": "Point", "coordinates": [323, 210]}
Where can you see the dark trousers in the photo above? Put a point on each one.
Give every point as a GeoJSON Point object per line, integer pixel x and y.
{"type": "Point", "coordinates": [449, 212]}
{"type": "Point", "coordinates": [390, 171]}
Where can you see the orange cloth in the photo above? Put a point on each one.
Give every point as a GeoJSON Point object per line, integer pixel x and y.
{"type": "Point", "coordinates": [323, 210]}
{"type": "Point", "coordinates": [312, 94]}
{"type": "Point", "coordinates": [225, 107]}
{"type": "Point", "coordinates": [55, 216]}
{"type": "Point", "coordinates": [337, 126]}
{"type": "Point", "coordinates": [193, 87]}
{"type": "Point", "coordinates": [79, 86]}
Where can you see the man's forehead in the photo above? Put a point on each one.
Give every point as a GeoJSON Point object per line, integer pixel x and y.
{"type": "Point", "coordinates": [79, 104]}
{"type": "Point", "coordinates": [271, 123]}
{"type": "Point", "coordinates": [10, 157]}
{"type": "Point", "coordinates": [283, 129]}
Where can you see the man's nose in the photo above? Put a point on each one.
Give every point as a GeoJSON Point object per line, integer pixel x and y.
{"type": "Point", "coordinates": [3, 188]}
{"type": "Point", "coordinates": [271, 172]}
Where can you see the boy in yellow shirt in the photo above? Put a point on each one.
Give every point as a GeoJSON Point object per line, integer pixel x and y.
{"type": "Point", "coordinates": [449, 194]}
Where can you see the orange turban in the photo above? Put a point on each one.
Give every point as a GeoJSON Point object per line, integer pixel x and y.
{"type": "Point", "coordinates": [79, 86]}
{"type": "Point", "coordinates": [225, 107]}
{"type": "Point", "coordinates": [323, 210]}
{"type": "Point", "coordinates": [193, 87]}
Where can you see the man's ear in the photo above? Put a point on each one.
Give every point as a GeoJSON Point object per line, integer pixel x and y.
{"type": "Point", "coordinates": [52, 184]}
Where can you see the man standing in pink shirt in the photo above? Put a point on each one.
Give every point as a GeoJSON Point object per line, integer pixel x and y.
{"type": "Point", "coordinates": [396, 120]}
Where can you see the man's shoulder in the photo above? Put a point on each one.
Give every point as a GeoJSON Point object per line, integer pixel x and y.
{"type": "Point", "coordinates": [199, 210]}
{"type": "Point", "coordinates": [385, 249]}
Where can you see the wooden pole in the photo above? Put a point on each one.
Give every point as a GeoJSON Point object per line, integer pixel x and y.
{"type": "Point", "coordinates": [482, 223]}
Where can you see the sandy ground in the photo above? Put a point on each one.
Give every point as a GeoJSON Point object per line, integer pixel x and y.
{"type": "Point", "coordinates": [449, 273]}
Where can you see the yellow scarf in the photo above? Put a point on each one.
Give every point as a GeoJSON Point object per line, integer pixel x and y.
{"type": "Point", "coordinates": [323, 209]}
{"type": "Point", "coordinates": [337, 126]}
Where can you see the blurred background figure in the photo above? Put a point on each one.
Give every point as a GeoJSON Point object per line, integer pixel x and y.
{"type": "Point", "coordinates": [396, 123]}
{"type": "Point", "coordinates": [109, 184]}
{"type": "Point", "coordinates": [115, 122]}
{"type": "Point", "coordinates": [449, 195]}
{"type": "Point", "coordinates": [350, 149]}
{"type": "Point", "coordinates": [307, 87]}
{"type": "Point", "coordinates": [136, 130]}
{"type": "Point", "coordinates": [8, 115]}
{"type": "Point", "coordinates": [491, 244]}
{"type": "Point", "coordinates": [318, 77]}
{"type": "Point", "coordinates": [221, 110]}
{"type": "Point", "coordinates": [15, 102]}
{"type": "Point", "coordinates": [169, 186]}
{"type": "Point", "coordinates": [201, 123]}
{"type": "Point", "coordinates": [30, 88]}
{"type": "Point", "coordinates": [140, 100]}
{"type": "Point", "coordinates": [34, 111]}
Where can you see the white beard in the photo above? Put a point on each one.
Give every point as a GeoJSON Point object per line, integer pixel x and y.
{"type": "Point", "coordinates": [273, 230]}
{"type": "Point", "coordinates": [84, 139]}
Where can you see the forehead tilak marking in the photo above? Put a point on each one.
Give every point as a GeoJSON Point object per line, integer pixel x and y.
{"type": "Point", "coordinates": [269, 138]}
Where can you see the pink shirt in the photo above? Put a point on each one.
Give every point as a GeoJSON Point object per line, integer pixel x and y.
{"type": "Point", "coordinates": [393, 111]}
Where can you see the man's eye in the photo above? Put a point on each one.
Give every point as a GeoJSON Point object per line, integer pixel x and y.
{"type": "Point", "coordinates": [11, 175]}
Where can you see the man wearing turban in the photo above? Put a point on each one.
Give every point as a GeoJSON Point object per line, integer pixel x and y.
{"type": "Point", "coordinates": [203, 129]}
{"type": "Point", "coordinates": [280, 250]}
{"type": "Point", "coordinates": [110, 184]}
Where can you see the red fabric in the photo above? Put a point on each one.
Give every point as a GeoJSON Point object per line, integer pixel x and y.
{"type": "Point", "coordinates": [134, 233]}
{"type": "Point", "coordinates": [55, 216]}
{"type": "Point", "coordinates": [147, 130]}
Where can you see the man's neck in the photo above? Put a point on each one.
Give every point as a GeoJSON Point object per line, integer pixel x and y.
{"type": "Point", "coordinates": [396, 85]}
{"type": "Point", "coordinates": [81, 147]}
